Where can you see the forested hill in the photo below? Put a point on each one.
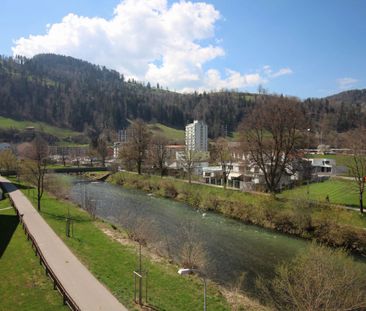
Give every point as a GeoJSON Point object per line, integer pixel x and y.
{"type": "Point", "coordinates": [75, 94]}
{"type": "Point", "coordinates": [354, 97]}
{"type": "Point", "coordinates": [71, 93]}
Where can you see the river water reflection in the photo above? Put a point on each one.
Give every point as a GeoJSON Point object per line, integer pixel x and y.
{"type": "Point", "coordinates": [230, 247]}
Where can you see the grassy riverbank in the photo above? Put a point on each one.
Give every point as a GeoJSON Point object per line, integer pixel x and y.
{"type": "Point", "coordinates": [331, 225]}
{"type": "Point", "coordinates": [23, 285]}
{"type": "Point", "coordinates": [99, 247]}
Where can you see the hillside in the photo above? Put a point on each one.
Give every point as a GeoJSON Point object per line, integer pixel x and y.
{"type": "Point", "coordinates": [69, 93]}
{"type": "Point", "coordinates": [357, 97]}
{"type": "Point", "coordinates": [171, 134]}
{"type": "Point", "coordinates": [61, 133]}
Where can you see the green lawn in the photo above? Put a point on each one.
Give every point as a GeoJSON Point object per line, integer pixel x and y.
{"type": "Point", "coordinates": [23, 285]}
{"type": "Point", "coordinates": [114, 263]}
{"type": "Point", "coordinates": [340, 191]}
{"type": "Point", "coordinates": [6, 123]}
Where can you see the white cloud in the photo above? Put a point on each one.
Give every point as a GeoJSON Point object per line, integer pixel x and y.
{"type": "Point", "coordinates": [267, 70]}
{"type": "Point", "coordinates": [232, 80]}
{"type": "Point", "coordinates": [150, 41]}
{"type": "Point", "coordinates": [345, 83]}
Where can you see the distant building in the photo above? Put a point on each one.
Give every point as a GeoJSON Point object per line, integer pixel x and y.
{"type": "Point", "coordinates": [323, 166]}
{"type": "Point", "coordinates": [122, 136]}
{"type": "Point", "coordinates": [116, 149]}
{"type": "Point", "coordinates": [173, 150]}
{"type": "Point", "coordinates": [30, 129]}
{"type": "Point", "coordinates": [122, 139]}
{"type": "Point", "coordinates": [196, 136]}
{"type": "Point", "coordinates": [4, 146]}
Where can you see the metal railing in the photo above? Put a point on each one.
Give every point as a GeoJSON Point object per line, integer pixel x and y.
{"type": "Point", "coordinates": [67, 299]}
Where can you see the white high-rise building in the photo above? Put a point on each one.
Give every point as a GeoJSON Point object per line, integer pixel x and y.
{"type": "Point", "coordinates": [196, 136]}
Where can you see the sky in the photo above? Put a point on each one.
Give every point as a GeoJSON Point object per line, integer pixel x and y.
{"type": "Point", "coordinates": [303, 48]}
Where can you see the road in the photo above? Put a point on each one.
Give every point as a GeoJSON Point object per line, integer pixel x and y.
{"type": "Point", "coordinates": [88, 293]}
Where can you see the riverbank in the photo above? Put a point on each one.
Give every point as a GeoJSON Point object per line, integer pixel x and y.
{"type": "Point", "coordinates": [332, 226]}
{"type": "Point", "coordinates": [98, 245]}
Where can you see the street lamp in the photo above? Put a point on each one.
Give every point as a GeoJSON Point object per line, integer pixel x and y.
{"type": "Point", "coordinates": [308, 181]}
{"type": "Point", "coordinates": [186, 271]}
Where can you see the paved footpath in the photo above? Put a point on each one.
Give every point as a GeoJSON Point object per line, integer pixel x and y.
{"type": "Point", "coordinates": [88, 293]}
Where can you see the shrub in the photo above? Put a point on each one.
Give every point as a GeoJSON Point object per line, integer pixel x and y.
{"type": "Point", "coordinates": [193, 198]}
{"type": "Point", "coordinates": [318, 279]}
{"type": "Point", "coordinates": [209, 202]}
{"type": "Point", "coordinates": [169, 190]}
{"type": "Point", "coordinates": [284, 221]}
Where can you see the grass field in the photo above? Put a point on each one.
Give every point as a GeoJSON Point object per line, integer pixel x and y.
{"type": "Point", "coordinates": [114, 263]}
{"type": "Point", "coordinates": [23, 285]}
{"type": "Point", "coordinates": [169, 132]}
{"type": "Point", "coordinates": [340, 191]}
{"type": "Point", "coordinates": [21, 125]}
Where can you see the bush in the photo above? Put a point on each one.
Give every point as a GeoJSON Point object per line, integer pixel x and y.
{"type": "Point", "coordinates": [194, 199]}
{"type": "Point", "coordinates": [169, 190]}
{"type": "Point", "coordinates": [318, 279]}
{"type": "Point", "coordinates": [209, 202]}
{"type": "Point", "coordinates": [284, 221]}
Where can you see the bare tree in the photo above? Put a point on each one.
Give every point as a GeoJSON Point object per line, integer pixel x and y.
{"type": "Point", "coordinates": [90, 205]}
{"type": "Point", "coordinates": [60, 188]}
{"type": "Point", "coordinates": [75, 155]}
{"type": "Point", "coordinates": [63, 153]}
{"type": "Point", "coordinates": [192, 254]}
{"type": "Point", "coordinates": [271, 135]}
{"type": "Point", "coordinates": [188, 159]}
{"type": "Point", "coordinates": [135, 150]}
{"type": "Point", "coordinates": [158, 152]}
{"type": "Point", "coordinates": [318, 279]}
{"type": "Point", "coordinates": [356, 141]}
{"type": "Point", "coordinates": [102, 148]}
{"type": "Point", "coordinates": [8, 160]}
{"type": "Point", "coordinates": [91, 154]}
{"type": "Point", "coordinates": [34, 167]}
{"type": "Point", "coordinates": [221, 154]}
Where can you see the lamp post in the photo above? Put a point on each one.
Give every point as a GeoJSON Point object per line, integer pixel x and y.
{"type": "Point", "coordinates": [203, 277]}
{"type": "Point", "coordinates": [308, 181]}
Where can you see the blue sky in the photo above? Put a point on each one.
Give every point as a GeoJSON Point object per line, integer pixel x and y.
{"type": "Point", "coordinates": [294, 47]}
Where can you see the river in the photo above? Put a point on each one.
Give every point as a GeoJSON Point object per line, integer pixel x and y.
{"type": "Point", "coordinates": [227, 248]}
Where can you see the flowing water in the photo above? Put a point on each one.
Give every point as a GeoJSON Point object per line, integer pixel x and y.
{"type": "Point", "coordinates": [230, 247]}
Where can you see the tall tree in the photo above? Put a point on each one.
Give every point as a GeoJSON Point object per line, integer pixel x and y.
{"type": "Point", "coordinates": [102, 149]}
{"type": "Point", "coordinates": [158, 152]}
{"type": "Point", "coordinates": [138, 139]}
{"type": "Point", "coordinates": [92, 153]}
{"type": "Point", "coordinates": [221, 154]}
{"type": "Point", "coordinates": [356, 141]}
{"type": "Point", "coordinates": [34, 167]}
{"type": "Point", "coordinates": [188, 159]}
{"type": "Point", "coordinates": [63, 153]}
{"type": "Point", "coordinates": [271, 135]}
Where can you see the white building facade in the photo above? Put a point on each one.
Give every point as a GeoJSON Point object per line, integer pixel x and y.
{"type": "Point", "coordinates": [196, 136]}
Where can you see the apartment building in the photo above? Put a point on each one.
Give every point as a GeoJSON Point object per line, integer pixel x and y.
{"type": "Point", "coordinates": [196, 136]}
